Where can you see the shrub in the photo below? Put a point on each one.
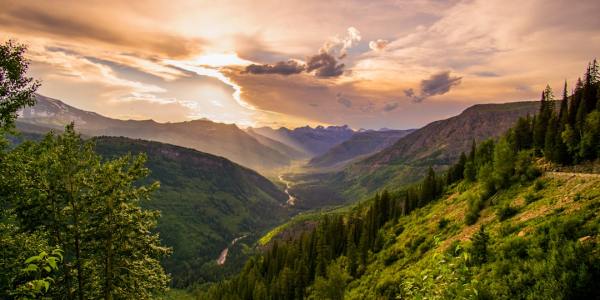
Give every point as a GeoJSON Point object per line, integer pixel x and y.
{"type": "Point", "coordinates": [506, 212]}
{"type": "Point", "coordinates": [531, 197]}
{"type": "Point", "coordinates": [475, 205]}
{"type": "Point", "coordinates": [443, 223]}
{"type": "Point", "coordinates": [539, 185]}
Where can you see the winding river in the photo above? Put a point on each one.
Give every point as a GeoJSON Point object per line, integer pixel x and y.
{"type": "Point", "coordinates": [291, 199]}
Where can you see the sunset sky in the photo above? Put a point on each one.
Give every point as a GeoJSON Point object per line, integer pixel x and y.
{"type": "Point", "coordinates": [368, 64]}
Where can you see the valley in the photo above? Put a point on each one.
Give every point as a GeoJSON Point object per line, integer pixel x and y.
{"type": "Point", "coordinates": [185, 151]}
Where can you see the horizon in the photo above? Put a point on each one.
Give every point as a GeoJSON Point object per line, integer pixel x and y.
{"type": "Point", "coordinates": [290, 128]}
{"type": "Point", "coordinates": [401, 64]}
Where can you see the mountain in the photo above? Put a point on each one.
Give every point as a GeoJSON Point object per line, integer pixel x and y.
{"type": "Point", "coordinates": [438, 144]}
{"type": "Point", "coordinates": [312, 141]}
{"type": "Point", "coordinates": [220, 139]}
{"type": "Point", "coordinates": [359, 145]}
{"type": "Point", "coordinates": [205, 201]}
{"type": "Point", "coordinates": [282, 148]}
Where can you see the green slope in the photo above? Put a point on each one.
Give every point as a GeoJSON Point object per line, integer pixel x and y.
{"type": "Point", "coordinates": [205, 202]}
{"type": "Point", "coordinates": [535, 254]}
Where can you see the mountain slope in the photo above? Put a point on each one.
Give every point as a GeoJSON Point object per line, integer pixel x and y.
{"type": "Point", "coordinates": [438, 144]}
{"type": "Point", "coordinates": [282, 148]}
{"type": "Point", "coordinates": [205, 202]}
{"type": "Point", "coordinates": [360, 144]}
{"type": "Point", "coordinates": [313, 141]}
{"type": "Point", "coordinates": [203, 135]}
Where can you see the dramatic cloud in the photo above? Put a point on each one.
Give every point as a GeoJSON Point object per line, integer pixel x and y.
{"type": "Point", "coordinates": [324, 65]}
{"type": "Point", "coordinates": [378, 45]}
{"type": "Point", "coordinates": [437, 84]}
{"type": "Point", "coordinates": [283, 68]}
{"type": "Point", "coordinates": [157, 59]}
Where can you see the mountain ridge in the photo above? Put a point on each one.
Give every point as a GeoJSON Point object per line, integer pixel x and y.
{"type": "Point", "coordinates": [221, 139]}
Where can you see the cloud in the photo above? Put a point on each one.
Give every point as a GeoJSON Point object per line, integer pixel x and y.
{"type": "Point", "coordinates": [378, 45]}
{"type": "Point", "coordinates": [339, 46]}
{"type": "Point", "coordinates": [486, 74]}
{"type": "Point", "coordinates": [438, 84]}
{"type": "Point", "coordinates": [44, 21]}
{"type": "Point", "coordinates": [283, 68]}
{"type": "Point", "coordinates": [343, 100]}
{"type": "Point", "coordinates": [391, 106]}
{"type": "Point", "coordinates": [324, 65]}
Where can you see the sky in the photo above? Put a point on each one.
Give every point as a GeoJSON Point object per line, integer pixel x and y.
{"type": "Point", "coordinates": [368, 64]}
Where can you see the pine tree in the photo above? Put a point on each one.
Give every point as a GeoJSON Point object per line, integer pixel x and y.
{"type": "Point", "coordinates": [551, 143]}
{"type": "Point", "coordinates": [563, 115]}
{"type": "Point", "coordinates": [428, 188]}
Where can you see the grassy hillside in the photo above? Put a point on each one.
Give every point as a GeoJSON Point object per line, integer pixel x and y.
{"type": "Point", "coordinates": [533, 239]}
{"type": "Point", "coordinates": [205, 202]}
{"type": "Point", "coordinates": [538, 250]}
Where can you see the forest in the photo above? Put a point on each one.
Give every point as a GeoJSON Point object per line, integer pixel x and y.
{"type": "Point", "coordinates": [321, 263]}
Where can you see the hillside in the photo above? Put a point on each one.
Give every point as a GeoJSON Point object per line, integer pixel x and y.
{"type": "Point", "coordinates": [312, 141]}
{"type": "Point", "coordinates": [359, 145]}
{"type": "Point", "coordinates": [205, 202]}
{"type": "Point", "coordinates": [534, 252]}
{"type": "Point", "coordinates": [525, 236]}
{"type": "Point", "coordinates": [438, 144]}
{"type": "Point", "coordinates": [220, 139]}
{"type": "Point", "coordinates": [282, 148]}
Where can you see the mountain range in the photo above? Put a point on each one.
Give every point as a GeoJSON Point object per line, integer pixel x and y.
{"type": "Point", "coordinates": [361, 144]}
{"type": "Point", "coordinates": [438, 144]}
{"type": "Point", "coordinates": [311, 141]}
{"type": "Point", "coordinates": [250, 148]}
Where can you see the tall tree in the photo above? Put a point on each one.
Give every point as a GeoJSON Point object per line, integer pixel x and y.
{"type": "Point", "coordinates": [16, 89]}
{"type": "Point", "coordinates": [92, 210]}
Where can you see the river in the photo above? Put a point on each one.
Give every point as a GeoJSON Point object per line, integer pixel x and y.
{"type": "Point", "coordinates": [291, 199]}
{"type": "Point", "coordinates": [223, 256]}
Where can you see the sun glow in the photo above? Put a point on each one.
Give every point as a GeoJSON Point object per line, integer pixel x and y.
{"type": "Point", "coordinates": [220, 60]}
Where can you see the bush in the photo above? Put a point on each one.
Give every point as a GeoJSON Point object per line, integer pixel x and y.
{"type": "Point", "coordinates": [531, 197]}
{"type": "Point", "coordinates": [443, 222]}
{"type": "Point", "coordinates": [475, 205]}
{"type": "Point", "coordinates": [506, 212]}
{"type": "Point", "coordinates": [471, 217]}
{"type": "Point", "coordinates": [539, 184]}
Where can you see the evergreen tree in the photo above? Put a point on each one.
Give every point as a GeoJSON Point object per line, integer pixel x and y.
{"type": "Point", "coordinates": [551, 143]}
{"type": "Point", "coordinates": [428, 188]}
{"type": "Point", "coordinates": [563, 115]}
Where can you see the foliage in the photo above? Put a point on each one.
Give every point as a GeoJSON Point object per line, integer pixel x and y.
{"type": "Point", "coordinates": [16, 89]}
{"type": "Point", "coordinates": [37, 275]}
{"type": "Point", "coordinates": [91, 210]}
